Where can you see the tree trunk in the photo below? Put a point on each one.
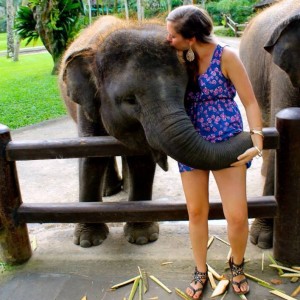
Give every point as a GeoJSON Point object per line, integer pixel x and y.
{"type": "Point", "coordinates": [126, 9]}
{"type": "Point", "coordinates": [10, 25]}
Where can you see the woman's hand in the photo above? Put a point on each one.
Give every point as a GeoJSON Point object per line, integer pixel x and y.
{"type": "Point", "coordinates": [248, 155]}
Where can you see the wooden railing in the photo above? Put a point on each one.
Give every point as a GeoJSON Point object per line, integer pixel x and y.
{"type": "Point", "coordinates": [235, 27]}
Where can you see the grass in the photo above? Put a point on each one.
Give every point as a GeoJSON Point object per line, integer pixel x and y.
{"type": "Point", "coordinates": [29, 93]}
{"type": "Point", "coordinates": [3, 42]}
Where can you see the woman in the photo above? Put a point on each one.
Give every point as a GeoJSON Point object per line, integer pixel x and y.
{"type": "Point", "coordinates": [215, 75]}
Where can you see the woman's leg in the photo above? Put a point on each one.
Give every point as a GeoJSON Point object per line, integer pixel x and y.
{"type": "Point", "coordinates": [195, 186]}
{"type": "Point", "coordinates": [232, 187]}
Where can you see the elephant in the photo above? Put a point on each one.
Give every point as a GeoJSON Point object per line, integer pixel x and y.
{"type": "Point", "coordinates": [269, 49]}
{"type": "Point", "coordinates": [125, 80]}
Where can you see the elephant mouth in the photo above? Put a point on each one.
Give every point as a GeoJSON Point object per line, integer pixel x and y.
{"type": "Point", "coordinates": [160, 158]}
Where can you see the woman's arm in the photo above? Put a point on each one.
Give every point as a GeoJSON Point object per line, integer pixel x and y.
{"type": "Point", "coordinates": [233, 69]}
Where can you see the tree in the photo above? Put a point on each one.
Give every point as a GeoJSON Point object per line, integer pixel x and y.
{"type": "Point", "coordinates": [56, 22]}
{"type": "Point", "coordinates": [10, 12]}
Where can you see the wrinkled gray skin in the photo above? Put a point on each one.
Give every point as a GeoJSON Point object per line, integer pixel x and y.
{"type": "Point", "coordinates": [130, 84]}
{"type": "Point", "coordinates": [270, 50]}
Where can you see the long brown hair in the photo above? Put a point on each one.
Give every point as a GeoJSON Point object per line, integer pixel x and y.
{"type": "Point", "coordinates": [192, 21]}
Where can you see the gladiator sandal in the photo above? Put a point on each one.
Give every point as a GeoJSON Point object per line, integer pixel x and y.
{"type": "Point", "coordinates": [198, 278]}
{"type": "Point", "coordinates": [237, 270]}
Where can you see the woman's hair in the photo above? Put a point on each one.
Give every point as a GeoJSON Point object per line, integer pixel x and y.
{"type": "Point", "coordinates": [192, 21]}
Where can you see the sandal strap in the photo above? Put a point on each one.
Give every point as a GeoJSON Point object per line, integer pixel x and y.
{"type": "Point", "coordinates": [236, 269]}
{"type": "Point", "coordinates": [238, 284]}
{"type": "Point", "coordinates": [199, 276]}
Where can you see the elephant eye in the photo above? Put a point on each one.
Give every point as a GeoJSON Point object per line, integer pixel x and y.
{"type": "Point", "coordinates": [130, 100]}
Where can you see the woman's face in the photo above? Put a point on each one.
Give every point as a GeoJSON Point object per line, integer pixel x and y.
{"type": "Point", "coordinates": [176, 39]}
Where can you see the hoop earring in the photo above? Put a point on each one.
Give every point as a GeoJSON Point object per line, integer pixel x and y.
{"type": "Point", "coordinates": [190, 55]}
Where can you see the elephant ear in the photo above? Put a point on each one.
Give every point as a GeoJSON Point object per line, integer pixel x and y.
{"type": "Point", "coordinates": [79, 82]}
{"type": "Point", "coordinates": [271, 44]}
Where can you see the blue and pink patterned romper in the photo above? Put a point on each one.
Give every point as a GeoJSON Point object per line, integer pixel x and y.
{"type": "Point", "coordinates": [212, 109]}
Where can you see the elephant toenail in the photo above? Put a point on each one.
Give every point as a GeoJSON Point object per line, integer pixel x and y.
{"type": "Point", "coordinates": [141, 240]}
{"type": "Point", "coordinates": [153, 237]}
{"type": "Point", "coordinates": [97, 242]}
{"type": "Point", "coordinates": [85, 244]}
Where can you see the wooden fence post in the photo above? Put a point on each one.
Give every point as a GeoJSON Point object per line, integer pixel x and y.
{"type": "Point", "coordinates": [14, 240]}
{"type": "Point", "coordinates": [287, 187]}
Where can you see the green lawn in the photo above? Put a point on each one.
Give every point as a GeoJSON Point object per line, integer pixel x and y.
{"type": "Point", "coordinates": [29, 94]}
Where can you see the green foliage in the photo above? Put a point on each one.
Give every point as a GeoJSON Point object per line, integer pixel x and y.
{"type": "Point", "coordinates": [25, 25]}
{"type": "Point", "coordinates": [239, 10]}
{"type": "Point", "coordinates": [29, 93]}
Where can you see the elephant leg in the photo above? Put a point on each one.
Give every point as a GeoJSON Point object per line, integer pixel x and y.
{"type": "Point", "coordinates": [261, 232]}
{"type": "Point", "coordinates": [141, 171]}
{"type": "Point", "coordinates": [112, 180]}
{"type": "Point", "coordinates": [91, 174]}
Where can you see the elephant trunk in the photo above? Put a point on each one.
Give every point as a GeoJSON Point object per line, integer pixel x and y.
{"type": "Point", "coordinates": [176, 136]}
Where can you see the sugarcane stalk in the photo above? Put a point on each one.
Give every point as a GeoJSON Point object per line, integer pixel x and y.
{"type": "Point", "coordinates": [160, 284]}
{"type": "Point", "coordinates": [290, 275]}
{"type": "Point", "coordinates": [223, 297]}
{"type": "Point", "coordinates": [216, 275]}
{"type": "Point", "coordinates": [296, 268]}
{"type": "Point", "coordinates": [257, 279]}
{"type": "Point", "coordinates": [134, 288]}
{"type": "Point", "coordinates": [211, 280]}
{"type": "Point", "coordinates": [273, 261]}
{"type": "Point", "coordinates": [220, 288]}
{"type": "Point", "coordinates": [143, 275]}
{"type": "Point", "coordinates": [243, 297]}
{"type": "Point", "coordinates": [141, 290]}
{"type": "Point", "coordinates": [210, 241]}
{"type": "Point", "coordinates": [218, 238]}
{"type": "Point", "coordinates": [271, 287]}
{"type": "Point", "coordinates": [284, 268]}
{"type": "Point", "coordinates": [282, 295]}
{"type": "Point", "coordinates": [182, 294]}
{"type": "Point", "coordinates": [296, 292]}
{"type": "Point", "coordinates": [116, 286]}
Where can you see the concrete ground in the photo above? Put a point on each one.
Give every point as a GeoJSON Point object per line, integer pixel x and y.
{"type": "Point", "coordinates": [60, 270]}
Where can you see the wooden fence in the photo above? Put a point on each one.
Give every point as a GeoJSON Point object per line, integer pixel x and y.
{"type": "Point", "coordinates": [14, 214]}
{"type": "Point", "coordinates": [235, 27]}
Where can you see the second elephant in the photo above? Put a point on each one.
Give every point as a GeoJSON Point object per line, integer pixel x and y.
{"type": "Point", "coordinates": [270, 51]}
{"type": "Point", "coordinates": [125, 80]}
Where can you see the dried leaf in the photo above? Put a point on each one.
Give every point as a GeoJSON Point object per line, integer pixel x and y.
{"type": "Point", "coordinates": [116, 286]}
{"type": "Point", "coordinates": [182, 294]}
{"type": "Point", "coordinates": [160, 284]}
{"type": "Point", "coordinates": [220, 288]}
{"type": "Point", "coordinates": [84, 298]}
{"type": "Point", "coordinates": [134, 288]}
{"type": "Point", "coordinates": [276, 281]}
{"type": "Point", "coordinates": [211, 280]}
{"type": "Point", "coordinates": [282, 295]}
{"type": "Point", "coordinates": [296, 292]}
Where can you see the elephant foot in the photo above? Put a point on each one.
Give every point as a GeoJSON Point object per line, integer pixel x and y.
{"type": "Point", "coordinates": [261, 233]}
{"type": "Point", "coordinates": [141, 233]}
{"type": "Point", "coordinates": [88, 235]}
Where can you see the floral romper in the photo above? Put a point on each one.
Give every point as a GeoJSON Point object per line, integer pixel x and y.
{"type": "Point", "coordinates": [212, 108]}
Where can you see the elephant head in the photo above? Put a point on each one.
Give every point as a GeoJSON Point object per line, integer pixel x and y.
{"type": "Point", "coordinates": [284, 45]}
{"type": "Point", "coordinates": [133, 81]}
